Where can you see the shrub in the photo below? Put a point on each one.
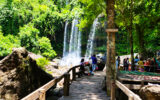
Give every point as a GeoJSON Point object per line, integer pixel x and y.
{"type": "Point", "coordinates": [41, 62]}
{"type": "Point", "coordinates": [29, 38]}
{"type": "Point", "coordinates": [46, 48]}
{"type": "Point", "coordinates": [7, 43]}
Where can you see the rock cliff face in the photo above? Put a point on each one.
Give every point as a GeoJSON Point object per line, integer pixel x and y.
{"type": "Point", "coordinates": [20, 75]}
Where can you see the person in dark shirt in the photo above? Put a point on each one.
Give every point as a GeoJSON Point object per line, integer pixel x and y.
{"type": "Point", "coordinates": [125, 64]}
{"type": "Point", "coordinates": [94, 63]}
{"type": "Point", "coordinates": [82, 69]}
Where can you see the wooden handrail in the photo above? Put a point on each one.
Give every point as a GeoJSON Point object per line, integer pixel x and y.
{"type": "Point", "coordinates": [129, 93]}
{"type": "Point", "coordinates": [40, 92]}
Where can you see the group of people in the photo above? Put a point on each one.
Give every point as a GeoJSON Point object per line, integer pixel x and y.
{"type": "Point", "coordinates": [125, 63]}
{"type": "Point", "coordinates": [148, 65]}
{"type": "Point", "coordinates": [88, 69]}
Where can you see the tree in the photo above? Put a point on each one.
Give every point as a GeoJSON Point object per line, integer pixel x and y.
{"type": "Point", "coordinates": [125, 18]}
{"type": "Point", "coordinates": [110, 72]}
{"type": "Point", "coordinates": [147, 23]}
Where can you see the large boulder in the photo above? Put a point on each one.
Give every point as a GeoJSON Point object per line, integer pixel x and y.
{"type": "Point", "coordinates": [20, 75]}
{"type": "Point", "coordinates": [150, 92]}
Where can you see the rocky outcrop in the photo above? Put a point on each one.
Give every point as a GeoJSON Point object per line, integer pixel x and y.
{"type": "Point", "coordinates": [20, 75]}
{"type": "Point", "coordinates": [150, 92]}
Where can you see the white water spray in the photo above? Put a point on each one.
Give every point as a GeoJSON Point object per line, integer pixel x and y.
{"type": "Point", "coordinates": [89, 50]}
{"type": "Point", "coordinates": [73, 56]}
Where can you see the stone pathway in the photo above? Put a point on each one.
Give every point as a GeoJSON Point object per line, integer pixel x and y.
{"type": "Point", "coordinates": [87, 88]}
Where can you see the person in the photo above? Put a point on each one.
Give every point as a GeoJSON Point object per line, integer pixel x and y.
{"type": "Point", "coordinates": [136, 62]}
{"type": "Point", "coordinates": [117, 62]}
{"type": "Point", "coordinates": [82, 69]}
{"type": "Point", "coordinates": [140, 65]}
{"type": "Point", "coordinates": [125, 64]}
{"type": "Point", "coordinates": [94, 63]}
{"type": "Point", "coordinates": [136, 59]}
{"type": "Point", "coordinates": [147, 65]}
{"type": "Point", "coordinates": [159, 53]}
{"type": "Point", "coordinates": [157, 62]}
{"type": "Point", "coordinates": [87, 68]}
{"type": "Point", "coordinates": [151, 65]}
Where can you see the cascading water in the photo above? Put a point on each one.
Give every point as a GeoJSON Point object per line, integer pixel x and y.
{"type": "Point", "coordinates": [89, 50]}
{"type": "Point", "coordinates": [73, 56]}
{"type": "Point", "coordinates": [65, 40]}
{"type": "Point", "coordinates": [79, 44]}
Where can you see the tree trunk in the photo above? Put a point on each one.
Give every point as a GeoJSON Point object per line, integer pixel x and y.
{"type": "Point", "coordinates": [131, 36]}
{"type": "Point", "coordinates": [140, 35]}
{"type": "Point", "coordinates": [110, 70]}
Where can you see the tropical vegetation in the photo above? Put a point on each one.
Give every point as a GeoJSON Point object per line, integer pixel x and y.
{"type": "Point", "coordinates": [38, 25]}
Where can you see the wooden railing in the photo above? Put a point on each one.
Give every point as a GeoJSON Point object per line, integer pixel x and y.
{"type": "Point", "coordinates": [129, 93]}
{"type": "Point", "coordinates": [40, 93]}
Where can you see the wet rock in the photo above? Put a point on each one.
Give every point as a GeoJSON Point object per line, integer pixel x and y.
{"type": "Point", "coordinates": [53, 64]}
{"type": "Point", "coordinates": [150, 92]}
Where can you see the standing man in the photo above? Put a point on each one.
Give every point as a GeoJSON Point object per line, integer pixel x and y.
{"type": "Point", "coordinates": [94, 63]}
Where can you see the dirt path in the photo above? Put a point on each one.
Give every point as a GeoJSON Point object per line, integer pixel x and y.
{"type": "Point", "coordinates": [87, 88]}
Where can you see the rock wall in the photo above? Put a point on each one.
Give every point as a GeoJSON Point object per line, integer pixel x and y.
{"type": "Point", "coordinates": [20, 75]}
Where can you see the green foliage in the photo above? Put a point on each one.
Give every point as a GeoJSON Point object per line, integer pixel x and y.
{"type": "Point", "coordinates": [36, 24]}
{"type": "Point", "coordinates": [29, 37]}
{"type": "Point", "coordinates": [91, 10]}
{"type": "Point", "coordinates": [45, 48]}
{"type": "Point", "coordinates": [145, 23]}
{"type": "Point", "coordinates": [122, 43]}
{"type": "Point", "coordinates": [7, 43]}
{"type": "Point", "coordinates": [2, 2]}
{"type": "Point", "coordinates": [42, 62]}
{"type": "Point", "coordinates": [31, 41]}
{"type": "Point", "coordinates": [31, 19]}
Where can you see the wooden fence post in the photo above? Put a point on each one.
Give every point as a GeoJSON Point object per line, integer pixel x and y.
{"type": "Point", "coordinates": [113, 86]}
{"type": "Point", "coordinates": [131, 97]}
{"type": "Point", "coordinates": [73, 74]}
{"type": "Point", "coordinates": [42, 94]}
{"type": "Point", "coordinates": [66, 84]}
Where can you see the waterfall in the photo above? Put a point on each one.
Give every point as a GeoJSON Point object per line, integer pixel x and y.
{"type": "Point", "coordinates": [79, 44]}
{"type": "Point", "coordinates": [89, 50]}
{"type": "Point", "coordinates": [73, 56]}
{"type": "Point", "coordinates": [65, 39]}
{"type": "Point", "coordinates": [73, 36]}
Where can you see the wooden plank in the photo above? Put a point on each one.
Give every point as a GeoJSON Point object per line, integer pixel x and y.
{"type": "Point", "coordinates": [36, 94]}
{"type": "Point", "coordinates": [127, 91]}
{"type": "Point", "coordinates": [49, 85]}
{"type": "Point", "coordinates": [133, 86]}
{"type": "Point", "coordinates": [43, 94]}
{"type": "Point", "coordinates": [113, 89]}
{"type": "Point", "coordinates": [32, 96]}
{"type": "Point", "coordinates": [131, 97]}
